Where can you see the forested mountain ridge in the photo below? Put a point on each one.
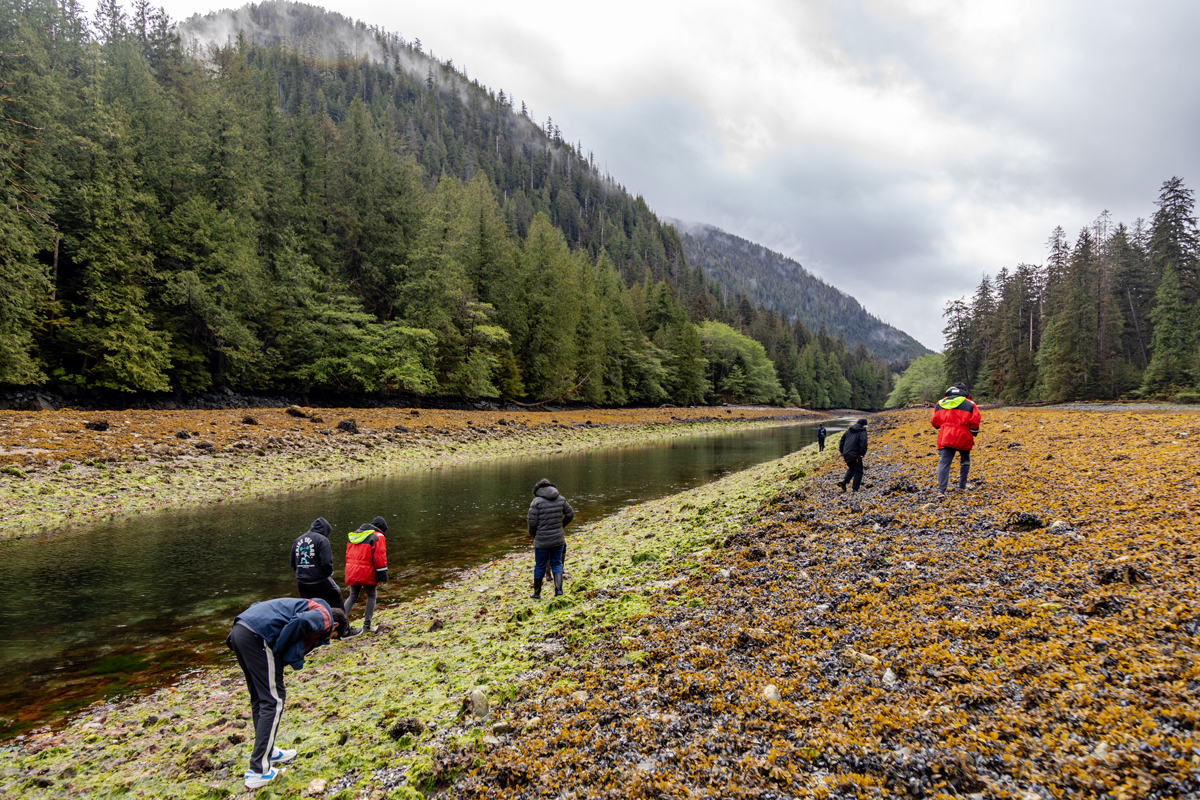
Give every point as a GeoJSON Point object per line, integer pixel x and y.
{"type": "Point", "coordinates": [777, 282]}
{"type": "Point", "coordinates": [258, 214]}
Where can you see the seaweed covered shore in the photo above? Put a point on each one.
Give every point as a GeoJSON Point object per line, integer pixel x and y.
{"type": "Point", "coordinates": [762, 636]}
{"type": "Point", "coordinates": [368, 714]}
{"type": "Point", "coordinates": [1032, 637]}
{"type": "Point", "coordinates": [61, 468]}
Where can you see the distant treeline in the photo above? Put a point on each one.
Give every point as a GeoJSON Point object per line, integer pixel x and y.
{"type": "Point", "coordinates": [264, 219]}
{"type": "Point", "coordinates": [1116, 314]}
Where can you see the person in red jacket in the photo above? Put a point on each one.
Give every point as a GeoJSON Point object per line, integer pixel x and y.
{"type": "Point", "coordinates": [957, 419]}
{"type": "Point", "coordinates": [366, 566]}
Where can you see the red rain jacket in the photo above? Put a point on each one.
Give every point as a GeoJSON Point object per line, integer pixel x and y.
{"type": "Point", "coordinates": [957, 420]}
{"type": "Point", "coordinates": [360, 566]}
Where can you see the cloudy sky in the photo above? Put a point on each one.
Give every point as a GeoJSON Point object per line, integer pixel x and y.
{"type": "Point", "coordinates": [899, 150]}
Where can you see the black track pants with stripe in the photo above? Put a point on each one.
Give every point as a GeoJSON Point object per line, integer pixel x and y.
{"type": "Point", "coordinates": [264, 679]}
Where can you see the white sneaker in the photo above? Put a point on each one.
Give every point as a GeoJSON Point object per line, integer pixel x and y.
{"type": "Point", "coordinates": [254, 780]}
{"type": "Point", "coordinates": [282, 756]}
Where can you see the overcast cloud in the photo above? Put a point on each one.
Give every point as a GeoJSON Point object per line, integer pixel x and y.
{"type": "Point", "coordinates": [897, 149]}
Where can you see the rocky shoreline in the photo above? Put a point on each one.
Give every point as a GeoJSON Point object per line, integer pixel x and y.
{"type": "Point", "coordinates": [761, 636]}
{"type": "Point", "coordinates": [68, 467]}
{"type": "Point", "coordinates": [371, 711]}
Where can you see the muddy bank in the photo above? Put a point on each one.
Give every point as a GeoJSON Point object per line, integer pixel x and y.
{"type": "Point", "coordinates": [68, 467]}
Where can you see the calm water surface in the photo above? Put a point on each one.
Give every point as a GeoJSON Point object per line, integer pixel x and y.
{"type": "Point", "coordinates": [134, 603]}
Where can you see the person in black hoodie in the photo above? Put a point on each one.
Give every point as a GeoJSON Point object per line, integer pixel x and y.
{"type": "Point", "coordinates": [853, 447]}
{"type": "Point", "coordinates": [312, 559]}
{"type": "Point", "coordinates": [548, 514]}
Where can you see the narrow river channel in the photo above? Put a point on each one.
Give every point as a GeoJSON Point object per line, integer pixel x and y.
{"type": "Point", "coordinates": [135, 603]}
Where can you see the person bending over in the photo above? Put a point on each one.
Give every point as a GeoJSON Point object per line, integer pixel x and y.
{"type": "Point", "coordinates": [265, 637]}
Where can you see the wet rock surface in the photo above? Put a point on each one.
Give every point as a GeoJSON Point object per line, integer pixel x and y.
{"type": "Point", "coordinates": [886, 644]}
{"type": "Point", "coordinates": [937, 655]}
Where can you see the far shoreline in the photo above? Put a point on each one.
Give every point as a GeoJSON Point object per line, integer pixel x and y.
{"type": "Point", "coordinates": [58, 473]}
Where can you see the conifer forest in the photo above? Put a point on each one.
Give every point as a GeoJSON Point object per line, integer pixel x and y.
{"type": "Point", "coordinates": [1114, 314]}
{"type": "Point", "coordinates": [267, 216]}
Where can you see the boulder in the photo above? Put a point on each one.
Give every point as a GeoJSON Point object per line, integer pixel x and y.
{"type": "Point", "coordinates": [478, 701]}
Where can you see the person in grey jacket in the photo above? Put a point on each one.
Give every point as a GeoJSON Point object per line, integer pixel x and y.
{"type": "Point", "coordinates": [548, 514]}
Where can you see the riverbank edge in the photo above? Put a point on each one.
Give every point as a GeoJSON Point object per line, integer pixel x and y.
{"type": "Point", "coordinates": [377, 707]}
{"type": "Point", "coordinates": [77, 495]}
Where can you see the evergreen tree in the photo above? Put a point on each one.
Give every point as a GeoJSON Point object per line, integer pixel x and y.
{"type": "Point", "coordinates": [1170, 365]}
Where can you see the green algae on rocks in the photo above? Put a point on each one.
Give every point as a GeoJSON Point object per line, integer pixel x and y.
{"type": "Point", "coordinates": [355, 709]}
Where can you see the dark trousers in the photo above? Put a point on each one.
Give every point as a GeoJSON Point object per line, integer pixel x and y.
{"type": "Point", "coordinates": [945, 459]}
{"type": "Point", "coordinates": [326, 590]}
{"type": "Point", "coordinates": [264, 679]}
{"type": "Point", "coordinates": [547, 556]}
{"type": "Point", "coordinates": [821, 445]}
{"type": "Point", "coordinates": [854, 469]}
{"type": "Point", "coordinates": [370, 592]}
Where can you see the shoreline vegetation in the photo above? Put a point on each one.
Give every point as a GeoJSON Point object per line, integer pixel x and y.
{"type": "Point", "coordinates": [70, 468]}
{"type": "Point", "coordinates": [763, 633]}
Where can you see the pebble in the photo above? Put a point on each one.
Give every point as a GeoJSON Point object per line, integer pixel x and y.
{"type": "Point", "coordinates": [771, 693]}
{"type": "Point", "coordinates": [890, 681]}
{"type": "Point", "coordinates": [315, 788]}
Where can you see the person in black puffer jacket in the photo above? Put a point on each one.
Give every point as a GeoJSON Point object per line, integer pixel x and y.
{"type": "Point", "coordinates": [548, 514]}
{"type": "Point", "coordinates": [312, 559]}
{"type": "Point", "coordinates": [853, 447]}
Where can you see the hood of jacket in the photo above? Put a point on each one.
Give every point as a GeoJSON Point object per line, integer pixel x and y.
{"type": "Point", "coordinates": [321, 525]}
{"type": "Point", "coordinates": [855, 428]}
{"type": "Point", "coordinates": [362, 534]}
{"type": "Point", "coordinates": [952, 401]}
{"type": "Point", "coordinates": [549, 492]}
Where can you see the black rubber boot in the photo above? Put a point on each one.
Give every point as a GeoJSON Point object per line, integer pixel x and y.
{"type": "Point", "coordinates": [842, 485]}
{"type": "Point", "coordinates": [558, 585]}
{"type": "Point", "coordinates": [537, 589]}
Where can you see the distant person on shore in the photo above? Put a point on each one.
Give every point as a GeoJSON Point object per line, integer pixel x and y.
{"type": "Point", "coordinates": [821, 434]}
{"type": "Point", "coordinates": [366, 566]}
{"type": "Point", "coordinates": [264, 637]}
{"type": "Point", "coordinates": [957, 419]}
{"type": "Point", "coordinates": [853, 447]}
{"type": "Point", "coordinates": [549, 514]}
{"type": "Point", "coordinates": [312, 559]}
